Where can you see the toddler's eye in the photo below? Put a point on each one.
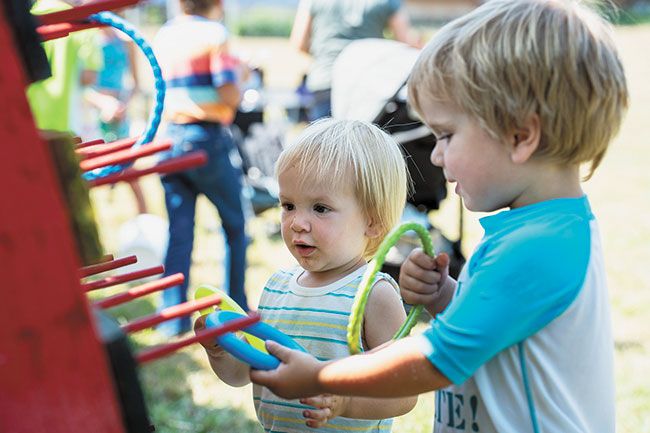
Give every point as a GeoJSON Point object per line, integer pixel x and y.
{"type": "Point", "coordinates": [319, 208]}
{"type": "Point", "coordinates": [287, 206]}
{"type": "Point", "coordinates": [444, 137]}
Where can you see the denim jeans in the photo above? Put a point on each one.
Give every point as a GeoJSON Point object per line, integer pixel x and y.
{"type": "Point", "coordinates": [321, 105]}
{"type": "Point", "coordinates": [220, 180]}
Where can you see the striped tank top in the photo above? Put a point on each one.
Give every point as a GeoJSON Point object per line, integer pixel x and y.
{"type": "Point", "coordinates": [317, 318]}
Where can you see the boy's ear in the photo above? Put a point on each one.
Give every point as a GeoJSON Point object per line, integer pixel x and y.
{"type": "Point", "coordinates": [526, 140]}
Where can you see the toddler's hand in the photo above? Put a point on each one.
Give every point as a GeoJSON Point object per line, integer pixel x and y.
{"type": "Point", "coordinates": [422, 277]}
{"type": "Point", "coordinates": [327, 406]}
{"type": "Point", "coordinates": [214, 350]}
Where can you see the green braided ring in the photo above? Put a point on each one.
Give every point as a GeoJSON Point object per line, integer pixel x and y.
{"type": "Point", "coordinates": [362, 295]}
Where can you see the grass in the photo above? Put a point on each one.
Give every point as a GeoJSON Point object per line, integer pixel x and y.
{"type": "Point", "coordinates": [184, 396]}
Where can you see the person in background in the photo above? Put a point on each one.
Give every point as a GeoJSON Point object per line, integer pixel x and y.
{"type": "Point", "coordinates": [117, 82]}
{"type": "Point", "coordinates": [323, 28]}
{"type": "Point", "coordinates": [203, 94]}
{"type": "Point", "coordinates": [74, 61]}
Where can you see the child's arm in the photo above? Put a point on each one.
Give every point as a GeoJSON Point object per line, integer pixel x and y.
{"type": "Point", "coordinates": [383, 316]}
{"type": "Point", "coordinates": [397, 370]}
{"type": "Point", "coordinates": [425, 280]}
{"type": "Point", "coordinates": [226, 367]}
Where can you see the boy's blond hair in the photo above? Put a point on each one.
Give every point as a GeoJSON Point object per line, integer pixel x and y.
{"type": "Point", "coordinates": [510, 59]}
{"type": "Point", "coordinates": [333, 152]}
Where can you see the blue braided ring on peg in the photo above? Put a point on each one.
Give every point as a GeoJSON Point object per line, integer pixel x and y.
{"type": "Point", "coordinates": [112, 20]}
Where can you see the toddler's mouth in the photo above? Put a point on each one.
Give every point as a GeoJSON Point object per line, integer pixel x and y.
{"type": "Point", "coordinates": [304, 249]}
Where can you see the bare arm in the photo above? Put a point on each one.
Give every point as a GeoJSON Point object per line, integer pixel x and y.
{"type": "Point", "coordinates": [300, 37]}
{"type": "Point", "coordinates": [384, 314]}
{"type": "Point", "coordinates": [383, 317]}
{"type": "Point", "coordinates": [225, 366]}
{"type": "Point", "coordinates": [397, 370]}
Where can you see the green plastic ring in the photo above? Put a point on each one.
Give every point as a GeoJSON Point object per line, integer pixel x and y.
{"type": "Point", "coordinates": [362, 295]}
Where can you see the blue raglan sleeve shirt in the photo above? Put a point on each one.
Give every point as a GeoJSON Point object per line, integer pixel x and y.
{"type": "Point", "coordinates": [527, 271]}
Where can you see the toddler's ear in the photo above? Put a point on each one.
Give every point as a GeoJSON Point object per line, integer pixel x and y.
{"type": "Point", "coordinates": [526, 140]}
{"type": "Point", "coordinates": [372, 230]}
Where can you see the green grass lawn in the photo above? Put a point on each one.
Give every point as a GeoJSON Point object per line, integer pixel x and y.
{"type": "Point", "coordinates": [184, 396]}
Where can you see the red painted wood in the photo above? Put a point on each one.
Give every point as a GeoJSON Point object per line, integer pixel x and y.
{"type": "Point", "coordinates": [90, 143]}
{"type": "Point", "coordinates": [170, 313]}
{"type": "Point", "coordinates": [123, 156]}
{"type": "Point", "coordinates": [190, 160]}
{"type": "Point", "coordinates": [103, 149]}
{"type": "Point", "coordinates": [164, 350]}
{"type": "Point", "coordinates": [54, 375]}
{"type": "Point", "coordinates": [56, 31]}
{"type": "Point", "coordinates": [82, 12]}
{"type": "Point", "coordinates": [124, 278]}
{"type": "Point", "coordinates": [107, 266]}
{"type": "Point", "coordinates": [142, 290]}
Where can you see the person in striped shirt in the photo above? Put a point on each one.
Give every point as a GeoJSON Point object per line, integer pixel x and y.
{"type": "Point", "coordinates": [202, 79]}
{"type": "Point", "coordinates": [343, 186]}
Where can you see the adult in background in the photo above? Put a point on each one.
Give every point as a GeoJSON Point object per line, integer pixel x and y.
{"type": "Point", "coordinates": [201, 99]}
{"type": "Point", "coordinates": [323, 28]}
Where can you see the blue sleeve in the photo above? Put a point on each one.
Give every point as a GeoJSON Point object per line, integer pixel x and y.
{"type": "Point", "coordinates": [514, 287]}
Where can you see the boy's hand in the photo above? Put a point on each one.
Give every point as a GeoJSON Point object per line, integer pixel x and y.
{"type": "Point", "coordinates": [327, 406]}
{"type": "Point", "coordinates": [422, 278]}
{"type": "Point", "coordinates": [214, 350]}
{"type": "Point", "coordinates": [296, 377]}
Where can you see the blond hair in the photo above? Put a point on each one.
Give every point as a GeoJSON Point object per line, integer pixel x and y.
{"type": "Point", "coordinates": [510, 59]}
{"type": "Point", "coordinates": [333, 151]}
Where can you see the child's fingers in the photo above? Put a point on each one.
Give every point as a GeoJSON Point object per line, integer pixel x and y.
{"type": "Point", "coordinates": [442, 261]}
{"type": "Point", "coordinates": [317, 417]}
{"type": "Point", "coordinates": [278, 350]}
{"type": "Point", "coordinates": [319, 401]}
{"type": "Point", "coordinates": [422, 259]}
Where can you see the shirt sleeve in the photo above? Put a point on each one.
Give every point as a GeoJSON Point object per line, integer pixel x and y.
{"type": "Point", "coordinates": [514, 287]}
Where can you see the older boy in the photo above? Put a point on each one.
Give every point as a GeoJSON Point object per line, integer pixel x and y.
{"type": "Point", "coordinates": [520, 94]}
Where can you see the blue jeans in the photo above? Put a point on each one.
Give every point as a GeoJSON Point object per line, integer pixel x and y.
{"type": "Point", "coordinates": [321, 105]}
{"type": "Point", "coordinates": [221, 182]}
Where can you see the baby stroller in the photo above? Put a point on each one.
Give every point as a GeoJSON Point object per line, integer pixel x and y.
{"type": "Point", "coordinates": [259, 144]}
{"type": "Point", "coordinates": [369, 83]}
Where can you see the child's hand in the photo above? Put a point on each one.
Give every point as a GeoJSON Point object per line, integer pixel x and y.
{"type": "Point", "coordinates": [296, 377]}
{"type": "Point", "coordinates": [214, 351]}
{"type": "Point", "coordinates": [422, 278]}
{"type": "Point", "coordinates": [327, 406]}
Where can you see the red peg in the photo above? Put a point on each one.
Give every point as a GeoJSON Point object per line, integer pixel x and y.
{"type": "Point", "coordinates": [118, 279]}
{"type": "Point", "coordinates": [171, 313]}
{"type": "Point", "coordinates": [207, 334]}
{"type": "Point", "coordinates": [142, 290]}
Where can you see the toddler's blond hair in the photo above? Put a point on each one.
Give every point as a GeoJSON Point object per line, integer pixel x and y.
{"type": "Point", "coordinates": [332, 151]}
{"type": "Point", "coordinates": [509, 59]}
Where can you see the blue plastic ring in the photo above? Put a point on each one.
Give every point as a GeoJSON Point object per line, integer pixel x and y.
{"type": "Point", "coordinates": [244, 351]}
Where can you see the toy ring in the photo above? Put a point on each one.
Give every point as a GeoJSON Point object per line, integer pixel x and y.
{"type": "Point", "coordinates": [361, 298]}
{"type": "Point", "coordinates": [245, 352]}
{"type": "Point", "coordinates": [227, 304]}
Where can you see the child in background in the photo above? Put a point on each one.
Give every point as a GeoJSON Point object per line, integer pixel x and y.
{"type": "Point", "coordinates": [202, 79]}
{"type": "Point", "coordinates": [343, 187]}
{"type": "Point", "coordinates": [520, 94]}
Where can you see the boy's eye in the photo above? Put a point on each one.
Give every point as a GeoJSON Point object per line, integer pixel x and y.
{"type": "Point", "coordinates": [287, 206]}
{"type": "Point", "coordinates": [319, 208]}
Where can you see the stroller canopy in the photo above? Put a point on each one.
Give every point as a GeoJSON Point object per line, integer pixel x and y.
{"type": "Point", "coordinates": [367, 74]}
